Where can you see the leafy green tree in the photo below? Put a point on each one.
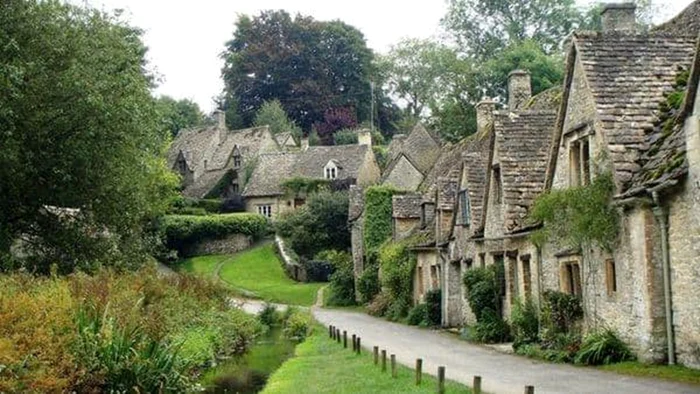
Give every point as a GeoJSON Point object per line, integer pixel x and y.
{"type": "Point", "coordinates": [78, 129]}
{"type": "Point", "coordinates": [179, 114]}
{"type": "Point", "coordinates": [308, 65]}
{"type": "Point", "coordinates": [272, 114]}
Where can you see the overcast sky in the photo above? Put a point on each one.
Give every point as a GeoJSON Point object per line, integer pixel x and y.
{"type": "Point", "coordinates": [185, 37]}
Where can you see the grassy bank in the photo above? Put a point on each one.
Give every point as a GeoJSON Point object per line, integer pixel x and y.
{"type": "Point", "coordinates": [677, 373]}
{"type": "Point", "coordinates": [259, 270]}
{"type": "Point", "coordinates": [202, 265]}
{"type": "Point", "coordinates": [321, 365]}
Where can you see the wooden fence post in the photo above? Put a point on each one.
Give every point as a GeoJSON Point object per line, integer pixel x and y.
{"type": "Point", "coordinates": [330, 331]}
{"type": "Point", "coordinates": [441, 380]}
{"type": "Point", "coordinates": [393, 366]}
{"type": "Point", "coordinates": [345, 339]}
{"type": "Point", "coordinates": [383, 360]}
{"type": "Point", "coordinates": [529, 389]}
{"type": "Point", "coordinates": [476, 386]}
{"type": "Point", "coordinates": [419, 371]}
{"type": "Point", "coordinates": [354, 343]}
{"type": "Point", "coordinates": [376, 355]}
{"type": "Point", "coordinates": [359, 348]}
{"type": "Point", "coordinates": [337, 335]}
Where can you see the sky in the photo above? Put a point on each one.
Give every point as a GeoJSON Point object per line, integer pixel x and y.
{"type": "Point", "coordinates": [186, 37]}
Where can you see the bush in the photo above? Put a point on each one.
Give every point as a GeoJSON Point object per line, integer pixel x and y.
{"type": "Point", "coordinates": [483, 294]}
{"type": "Point", "coordinates": [342, 287]}
{"type": "Point", "coordinates": [298, 324]}
{"type": "Point", "coordinates": [316, 270]}
{"type": "Point", "coordinates": [397, 265]}
{"type": "Point", "coordinates": [433, 301]}
{"type": "Point", "coordinates": [345, 137]}
{"type": "Point", "coordinates": [268, 315]}
{"type": "Point", "coordinates": [379, 305]}
{"type": "Point", "coordinates": [491, 328]}
{"type": "Point", "coordinates": [368, 283]}
{"type": "Point", "coordinates": [525, 323]}
{"type": "Point", "coordinates": [181, 232]}
{"type": "Point", "coordinates": [560, 312]}
{"type": "Point", "coordinates": [603, 347]}
{"type": "Point", "coordinates": [418, 315]}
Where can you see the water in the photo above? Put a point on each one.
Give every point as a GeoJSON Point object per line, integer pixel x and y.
{"type": "Point", "coordinates": [249, 373]}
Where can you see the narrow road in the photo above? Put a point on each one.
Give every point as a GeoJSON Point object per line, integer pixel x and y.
{"type": "Point", "coordinates": [500, 373]}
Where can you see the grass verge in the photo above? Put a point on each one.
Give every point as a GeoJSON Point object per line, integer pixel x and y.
{"type": "Point", "coordinates": [259, 270]}
{"type": "Point", "coordinates": [201, 265]}
{"type": "Point", "coordinates": [321, 365]}
{"type": "Point", "coordinates": [676, 373]}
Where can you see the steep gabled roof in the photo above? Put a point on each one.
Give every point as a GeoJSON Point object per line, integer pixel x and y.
{"type": "Point", "coordinates": [420, 147]}
{"type": "Point", "coordinates": [269, 175]}
{"type": "Point", "coordinates": [524, 140]}
{"type": "Point", "coordinates": [685, 23]}
{"type": "Point", "coordinates": [628, 75]}
{"type": "Point", "coordinates": [474, 172]}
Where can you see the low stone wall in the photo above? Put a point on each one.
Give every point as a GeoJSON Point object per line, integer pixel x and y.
{"type": "Point", "coordinates": [293, 269]}
{"type": "Point", "coordinates": [231, 244]}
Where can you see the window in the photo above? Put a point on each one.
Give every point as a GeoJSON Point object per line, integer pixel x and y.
{"type": "Point", "coordinates": [265, 210]}
{"type": "Point", "coordinates": [469, 263]}
{"type": "Point", "coordinates": [497, 185]}
{"type": "Point", "coordinates": [579, 162]}
{"type": "Point", "coordinates": [514, 285]}
{"type": "Point", "coordinates": [234, 188]}
{"type": "Point", "coordinates": [237, 161]}
{"type": "Point", "coordinates": [182, 166]}
{"type": "Point", "coordinates": [527, 276]}
{"type": "Point", "coordinates": [482, 260]}
{"type": "Point", "coordinates": [571, 278]}
{"type": "Point", "coordinates": [610, 277]}
{"type": "Point", "coordinates": [331, 172]}
{"type": "Point", "coordinates": [421, 286]}
{"type": "Point", "coordinates": [465, 209]}
{"type": "Point", "coordinates": [434, 277]}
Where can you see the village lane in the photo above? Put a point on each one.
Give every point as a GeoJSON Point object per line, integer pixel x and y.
{"type": "Point", "coordinates": [501, 373]}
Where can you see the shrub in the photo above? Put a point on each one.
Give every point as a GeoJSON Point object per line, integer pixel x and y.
{"type": "Point", "coordinates": [491, 328]}
{"type": "Point", "coordinates": [560, 311]}
{"type": "Point", "coordinates": [418, 315]}
{"type": "Point", "coordinates": [342, 287]}
{"type": "Point", "coordinates": [317, 270]}
{"type": "Point", "coordinates": [268, 315]}
{"type": "Point", "coordinates": [368, 283]}
{"type": "Point", "coordinates": [525, 323]}
{"type": "Point", "coordinates": [483, 294]}
{"type": "Point", "coordinates": [433, 301]}
{"type": "Point", "coordinates": [378, 211]}
{"type": "Point", "coordinates": [379, 305]}
{"type": "Point", "coordinates": [397, 265]}
{"type": "Point", "coordinates": [603, 347]}
{"type": "Point", "coordinates": [345, 137]}
{"type": "Point", "coordinates": [181, 232]}
{"type": "Point", "coordinates": [298, 324]}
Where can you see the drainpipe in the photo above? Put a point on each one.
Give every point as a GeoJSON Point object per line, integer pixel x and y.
{"type": "Point", "coordinates": [662, 217]}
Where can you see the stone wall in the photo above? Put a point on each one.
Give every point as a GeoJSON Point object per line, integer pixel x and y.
{"type": "Point", "coordinates": [293, 269]}
{"type": "Point", "coordinates": [280, 205]}
{"type": "Point", "coordinates": [404, 176]}
{"type": "Point", "coordinates": [369, 173]}
{"type": "Point", "coordinates": [427, 274]}
{"type": "Point", "coordinates": [231, 244]}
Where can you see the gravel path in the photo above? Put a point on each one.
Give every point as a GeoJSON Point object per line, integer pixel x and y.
{"type": "Point", "coordinates": [500, 373]}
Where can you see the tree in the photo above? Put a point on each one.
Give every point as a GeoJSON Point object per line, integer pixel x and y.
{"type": "Point", "coordinates": [78, 129]}
{"type": "Point", "coordinates": [272, 114]}
{"type": "Point", "coordinates": [308, 65]}
{"type": "Point", "coordinates": [334, 119]}
{"type": "Point", "coordinates": [179, 114]}
{"type": "Point", "coordinates": [484, 27]}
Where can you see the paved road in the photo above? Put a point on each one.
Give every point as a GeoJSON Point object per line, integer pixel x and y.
{"type": "Point", "coordinates": [500, 373]}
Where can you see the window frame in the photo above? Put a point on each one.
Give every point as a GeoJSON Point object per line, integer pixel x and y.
{"type": "Point", "coordinates": [265, 210]}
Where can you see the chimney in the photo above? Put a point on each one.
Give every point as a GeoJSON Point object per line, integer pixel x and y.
{"type": "Point", "coordinates": [364, 137]}
{"type": "Point", "coordinates": [304, 143]}
{"type": "Point", "coordinates": [220, 119]}
{"type": "Point", "coordinates": [618, 17]}
{"type": "Point", "coordinates": [484, 115]}
{"type": "Point", "coordinates": [519, 89]}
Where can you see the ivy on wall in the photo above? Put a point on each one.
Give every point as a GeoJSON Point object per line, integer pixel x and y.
{"type": "Point", "coordinates": [397, 265]}
{"type": "Point", "coordinates": [578, 217]}
{"type": "Point", "coordinates": [301, 185]}
{"type": "Point", "coordinates": [378, 210]}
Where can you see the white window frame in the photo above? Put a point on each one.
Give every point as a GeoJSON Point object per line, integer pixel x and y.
{"type": "Point", "coordinates": [265, 210]}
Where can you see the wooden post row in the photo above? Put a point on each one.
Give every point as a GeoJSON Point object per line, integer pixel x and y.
{"type": "Point", "coordinates": [419, 371]}
{"type": "Point", "coordinates": [376, 355]}
{"type": "Point", "coordinates": [441, 380]}
{"type": "Point", "coordinates": [393, 366]}
{"type": "Point", "coordinates": [476, 386]}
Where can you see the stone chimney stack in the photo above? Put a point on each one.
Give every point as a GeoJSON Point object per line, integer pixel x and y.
{"type": "Point", "coordinates": [220, 117]}
{"type": "Point", "coordinates": [484, 115]}
{"type": "Point", "coordinates": [519, 89]}
{"type": "Point", "coordinates": [364, 137]}
{"type": "Point", "coordinates": [304, 143]}
{"type": "Point", "coordinates": [618, 17]}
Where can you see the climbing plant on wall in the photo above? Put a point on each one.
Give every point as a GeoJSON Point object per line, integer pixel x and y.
{"type": "Point", "coordinates": [377, 224]}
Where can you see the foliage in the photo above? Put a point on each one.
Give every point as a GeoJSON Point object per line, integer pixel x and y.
{"type": "Point", "coordinates": [560, 313]}
{"type": "Point", "coordinates": [345, 137]}
{"type": "Point", "coordinates": [603, 347]}
{"type": "Point", "coordinates": [130, 331]}
{"type": "Point", "coordinates": [483, 294]}
{"type": "Point", "coordinates": [418, 315]}
{"type": "Point", "coordinates": [676, 373]}
{"type": "Point", "coordinates": [381, 155]}
{"type": "Point", "coordinates": [368, 285]}
{"type": "Point", "coordinates": [272, 114]}
{"type": "Point", "coordinates": [433, 300]}
{"type": "Point", "coordinates": [74, 80]}
{"type": "Point", "coordinates": [268, 315]}
{"type": "Point", "coordinates": [179, 114]}
{"type": "Point", "coordinates": [300, 186]}
{"type": "Point", "coordinates": [579, 216]}
{"type": "Point", "coordinates": [221, 189]}
{"type": "Point", "coordinates": [342, 286]}
{"type": "Point", "coordinates": [181, 203]}
{"type": "Point", "coordinates": [525, 323]}
{"type": "Point", "coordinates": [298, 324]}
{"type": "Point", "coordinates": [310, 66]}
{"type": "Point", "coordinates": [317, 270]}
{"type": "Point", "coordinates": [378, 210]}
{"type": "Point", "coordinates": [397, 264]}
{"type": "Point", "coordinates": [321, 224]}
{"type": "Point", "coordinates": [259, 272]}
{"type": "Point", "coordinates": [379, 305]}
{"type": "Point", "coordinates": [335, 119]}
{"type": "Point", "coordinates": [181, 232]}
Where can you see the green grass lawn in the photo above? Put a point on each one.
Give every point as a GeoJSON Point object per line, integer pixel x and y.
{"type": "Point", "coordinates": [676, 373]}
{"type": "Point", "coordinates": [201, 265]}
{"type": "Point", "coordinates": [321, 365]}
{"type": "Point", "coordinates": [259, 270]}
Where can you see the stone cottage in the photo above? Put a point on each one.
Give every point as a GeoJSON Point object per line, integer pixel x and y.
{"type": "Point", "coordinates": [212, 160]}
{"type": "Point", "coordinates": [411, 158]}
{"type": "Point", "coordinates": [611, 120]}
{"type": "Point", "coordinates": [265, 192]}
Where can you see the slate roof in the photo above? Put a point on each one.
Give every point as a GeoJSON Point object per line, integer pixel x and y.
{"type": "Point", "coordinates": [274, 169]}
{"type": "Point", "coordinates": [394, 148]}
{"type": "Point", "coordinates": [406, 206]}
{"type": "Point", "coordinates": [685, 23]}
{"type": "Point", "coordinates": [524, 140]}
{"type": "Point", "coordinates": [475, 162]}
{"type": "Point", "coordinates": [628, 75]}
{"type": "Point", "coordinates": [420, 147]}
{"type": "Point", "coordinates": [549, 99]}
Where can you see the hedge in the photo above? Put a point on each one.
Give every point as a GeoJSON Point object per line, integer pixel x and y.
{"type": "Point", "coordinates": [182, 231]}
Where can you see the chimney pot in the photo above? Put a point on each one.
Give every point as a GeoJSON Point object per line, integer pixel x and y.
{"type": "Point", "coordinates": [364, 137]}
{"type": "Point", "coordinates": [220, 119]}
{"type": "Point", "coordinates": [519, 89]}
{"type": "Point", "coordinates": [618, 17]}
{"type": "Point", "coordinates": [484, 115]}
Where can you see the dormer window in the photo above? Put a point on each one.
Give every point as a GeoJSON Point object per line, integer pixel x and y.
{"type": "Point", "coordinates": [330, 171]}
{"type": "Point", "coordinates": [182, 166]}
{"type": "Point", "coordinates": [579, 162]}
{"type": "Point", "coordinates": [464, 208]}
{"type": "Point", "coordinates": [236, 158]}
